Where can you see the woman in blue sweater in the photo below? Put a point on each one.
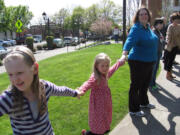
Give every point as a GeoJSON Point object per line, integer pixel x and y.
{"type": "Point", "coordinates": [141, 45]}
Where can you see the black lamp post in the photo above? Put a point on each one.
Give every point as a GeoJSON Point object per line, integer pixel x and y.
{"type": "Point", "coordinates": [46, 18]}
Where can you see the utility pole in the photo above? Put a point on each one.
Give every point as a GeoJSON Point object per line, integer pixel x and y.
{"type": "Point", "coordinates": [124, 21]}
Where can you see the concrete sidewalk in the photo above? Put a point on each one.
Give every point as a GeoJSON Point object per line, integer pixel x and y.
{"type": "Point", "coordinates": [165, 118]}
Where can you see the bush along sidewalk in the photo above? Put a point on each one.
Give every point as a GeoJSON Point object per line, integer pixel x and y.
{"type": "Point", "coordinates": [29, 42]}
{"type": "Point", "coordinates": [49, 40]}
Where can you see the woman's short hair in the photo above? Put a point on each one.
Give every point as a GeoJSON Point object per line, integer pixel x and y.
{"type": "Point", "coordinates": [174, 16]}
{"type": "Point", "coordinates": [136, 17]}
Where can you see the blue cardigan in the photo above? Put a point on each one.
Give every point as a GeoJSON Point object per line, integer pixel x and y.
{"type": "Point", "coordinates": [141, 44]}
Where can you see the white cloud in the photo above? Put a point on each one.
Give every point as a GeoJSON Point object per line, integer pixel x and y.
{"type": "Point", "coordinates": [52, 6]}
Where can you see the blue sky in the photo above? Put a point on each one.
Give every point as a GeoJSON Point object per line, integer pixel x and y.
{"type": "Point", "coordinates": [52, 6]}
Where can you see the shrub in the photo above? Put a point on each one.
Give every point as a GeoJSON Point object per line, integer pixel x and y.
{"type": "Point", "coordinates": [29, 42]}
{"type": "Point", "coordinates": [49, 40]}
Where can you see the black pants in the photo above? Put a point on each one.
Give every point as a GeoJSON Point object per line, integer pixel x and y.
{"type": "Point", "coordinates": [140, 74]}
{"type": "Point", "coordinates": [169, 58]}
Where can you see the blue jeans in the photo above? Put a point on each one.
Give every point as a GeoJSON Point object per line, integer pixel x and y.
{"type": "Point", "coordinates": [154, 72]}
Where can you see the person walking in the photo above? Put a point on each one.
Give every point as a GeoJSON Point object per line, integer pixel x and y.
{"type": "Point", "coordinates": [173, 44]}
{"type": "Point", "coordinates": [116, 34]}
{"type": "Point", "coordinates": [141, 44]}
{"type": "Point", "coordinates": [158, 25]}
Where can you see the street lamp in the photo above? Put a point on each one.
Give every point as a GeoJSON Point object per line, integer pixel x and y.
{"type": "Point", "coordinates": [46, 18]}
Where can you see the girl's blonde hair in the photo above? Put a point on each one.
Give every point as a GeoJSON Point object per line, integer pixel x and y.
{"type": "Point", "coordinates": [36, 86]}
{"type": "Point", "coordinates": [98, 59]}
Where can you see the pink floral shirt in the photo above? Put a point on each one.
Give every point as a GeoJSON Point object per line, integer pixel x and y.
{"type": "Point", "coordinates": [100, 105]}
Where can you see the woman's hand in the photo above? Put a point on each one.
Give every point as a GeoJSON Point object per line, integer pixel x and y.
{"type": "Point", "coordinates": [123, 59]}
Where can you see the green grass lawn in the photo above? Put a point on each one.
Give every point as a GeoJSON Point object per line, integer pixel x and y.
{"type": "Point", "coordinates": [69, 115]}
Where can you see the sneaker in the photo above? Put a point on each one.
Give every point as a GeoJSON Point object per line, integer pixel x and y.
{"type": "Point", "coordinates": [139, 114]}
{"type": "Point", "coordinates": [154, 87]}
{"type": "Point", "coordinates": [83, 132]}
{"type": "Point", "coordinates": [150, 106]}
{"type": "Point", "coordinates": [175, 63]}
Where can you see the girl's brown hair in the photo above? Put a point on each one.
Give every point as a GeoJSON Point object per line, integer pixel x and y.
{"type": "Point", "coordinates": [36, 86]}
{"type": "Point", "coordinates": [136, 17]}
{"type": "Point", "coordinates": [99, 58]}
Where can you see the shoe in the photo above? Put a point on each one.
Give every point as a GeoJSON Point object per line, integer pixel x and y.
{"type": "Point", "coordinates": [154, 88]}
{"type": "Point", "coordinates": [139, 114]}
{"type": "Point", "coordinates": [150, 106]}
{"type": "Point", "coordinates": [83, 132]}
{"type": "Point", "coordinates": [175, 63]}
{"type": "Point", "coordinates": [169, 76]}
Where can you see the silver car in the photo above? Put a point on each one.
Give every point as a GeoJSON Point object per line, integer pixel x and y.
{"type": "Point", "coordinates": [57, 42]}
{"type": "Point", "coordinates": [3, 52]}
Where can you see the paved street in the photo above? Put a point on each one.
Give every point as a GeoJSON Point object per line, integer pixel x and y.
{"type": "Point", "coordinates": [43, 54]}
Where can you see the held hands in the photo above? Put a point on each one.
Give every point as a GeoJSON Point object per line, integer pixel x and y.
{"type": "Point", "coordinates": [123, 59]}
{"type": "Point", "coordinates": [79, 93]}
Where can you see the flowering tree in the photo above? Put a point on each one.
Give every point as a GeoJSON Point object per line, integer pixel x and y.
{"type": "Point", "coordinates": [101, 27]}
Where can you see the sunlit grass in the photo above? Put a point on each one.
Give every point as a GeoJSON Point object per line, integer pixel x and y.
{"type": "Point", "coordinates": [69, 115]}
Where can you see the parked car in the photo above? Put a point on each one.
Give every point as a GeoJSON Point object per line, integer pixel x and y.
{"type": "Point", "coordinates": [76, 41]}
{"type": "Point", "coordinates": [37, 38]}
{"type": "Point", "coordinates": [57, 42]}
{"type": "Point", "coordinates": [68, 41]}
{"type": "Point", "coordinates": [13, 42]}
{"type": "Point", "coordinates": [1, 42]}
{"type": "Point", "coordinates": [3, 52]}
{"type": "Point", "coordinates": [6, 43]}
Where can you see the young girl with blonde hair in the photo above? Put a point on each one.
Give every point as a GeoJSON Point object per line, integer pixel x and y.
{"type": "Point", "coordinates": [100, 105]}
{"type": "Point", "coordinates": [27, 98]}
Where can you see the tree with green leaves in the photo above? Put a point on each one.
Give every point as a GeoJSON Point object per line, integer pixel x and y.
{"type": "Point", "coordinates": [22, 13]}
{"type": "Point", "coordinates": [11, 14]}
{"type": "Point", "coordinates": [2, 8]}
{"type": "Point", "coordinates": [59, 19]}
{"type": "Point", "coordinates": [78, 19]}
{"type": "Point", "coordinates": [108, 9]}
{"type": "Point", "coordinates": [67, 23]}
{"type": "Point", "coordinates": [91, 15]}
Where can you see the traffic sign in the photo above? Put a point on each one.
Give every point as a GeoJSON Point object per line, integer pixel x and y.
{"type": "Point", "coordinates": [18, 26]}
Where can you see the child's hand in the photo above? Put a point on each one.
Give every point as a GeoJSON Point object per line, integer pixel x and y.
{"type": "Point", "coordinates": [79, 93]}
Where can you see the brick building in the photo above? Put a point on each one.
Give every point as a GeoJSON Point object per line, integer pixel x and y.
{"type": "Point", "coordinates": [155, 6]}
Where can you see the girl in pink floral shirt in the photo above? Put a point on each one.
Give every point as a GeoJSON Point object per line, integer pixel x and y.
{"type": "Point", "coordinates": [100, 105]}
